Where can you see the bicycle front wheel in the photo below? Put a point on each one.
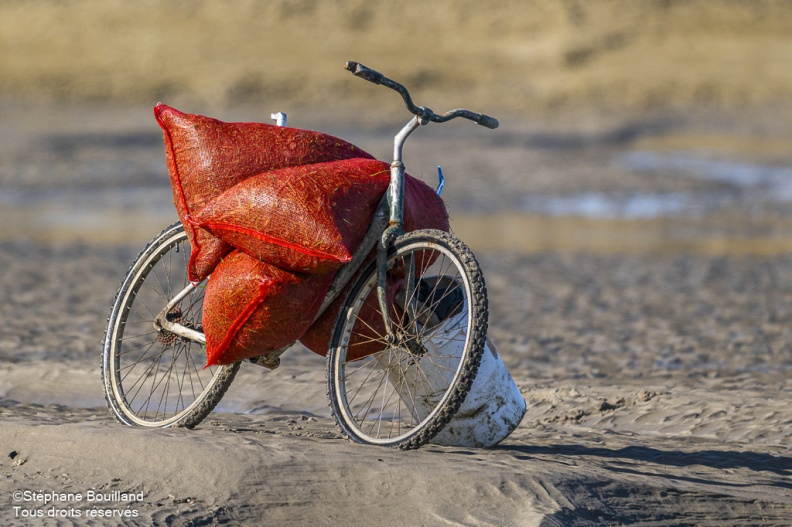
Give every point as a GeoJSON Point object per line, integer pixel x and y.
{"type": "Point", "coordinates": [153, 377]}
{"type": "Point", "coordinates": [399, 386]}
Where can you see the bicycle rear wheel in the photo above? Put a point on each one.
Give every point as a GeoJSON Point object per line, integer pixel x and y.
{"type": "Point", "coordinates": [400, 388]}
{"type": "Point", "coordinates": [152, 377]}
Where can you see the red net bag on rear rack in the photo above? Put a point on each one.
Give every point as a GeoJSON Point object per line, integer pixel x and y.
{"type": "Point", "coordinates": [206, 157]}
{"type": "Point", "coordinates": [308, 218]}
{"type": "Point", "coordinates": [252, 308]}
{"type": "Point", "coordinates": [423, 209]}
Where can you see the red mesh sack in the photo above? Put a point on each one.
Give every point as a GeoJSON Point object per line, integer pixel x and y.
{"type": "Point", "coordinates": [369, 333]}
{"type": "Point", "coordinates": [206, 157]}
{"type": "Point", "coordinates": [423, 209]}
{"type": "Point", "coordinates": [308, 218]}
{"type": "Point", "coordinates": [252, 308]}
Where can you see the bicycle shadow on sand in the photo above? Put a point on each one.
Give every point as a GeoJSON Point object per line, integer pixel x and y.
{"type": "Point", "coordinates": [645, 485]}
{"type": "Point", "coordinates": [716, 459]}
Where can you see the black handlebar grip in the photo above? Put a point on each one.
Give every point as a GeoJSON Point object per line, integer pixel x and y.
{"type": "Point", "coordinates": [487, 121]}
{"type": "Point", "coordinates": [359, 70]}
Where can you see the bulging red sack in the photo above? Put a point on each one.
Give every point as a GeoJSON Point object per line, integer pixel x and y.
{"type": "Point", "coordinates": [252, 308]}
{"type": "Point", "coordinates": [205, 157]}
{"type": "Point", "coordinates": [423, 209]}
{"type": "Point", "coordinates": [308, 218]}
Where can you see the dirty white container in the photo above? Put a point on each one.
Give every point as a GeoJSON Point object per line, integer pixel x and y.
{"type": "Point", "coordinates": [492, 409]}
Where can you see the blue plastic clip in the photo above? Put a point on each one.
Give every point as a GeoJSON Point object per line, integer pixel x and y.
{"type": "Point", "coordinates": [440, 185]}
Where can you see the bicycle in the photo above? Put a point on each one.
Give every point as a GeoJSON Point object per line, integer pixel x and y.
{"type": "Point", "coordinates": [400, 396]}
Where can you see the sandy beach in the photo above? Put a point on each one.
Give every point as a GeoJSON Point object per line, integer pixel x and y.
{"type": "Point", "coordinates": [653, 351]}
{"type": "Point", "coordinates": [630, 216]}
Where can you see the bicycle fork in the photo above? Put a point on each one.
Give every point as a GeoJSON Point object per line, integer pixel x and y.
{"type": "Point", "coordinates": [396, 228]}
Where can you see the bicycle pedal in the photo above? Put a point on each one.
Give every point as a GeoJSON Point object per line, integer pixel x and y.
{"type": "Point", "coordinates": [267, 361]}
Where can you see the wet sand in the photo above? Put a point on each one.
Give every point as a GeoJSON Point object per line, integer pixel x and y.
{"type": "Point", "coordinates": [653, 350]}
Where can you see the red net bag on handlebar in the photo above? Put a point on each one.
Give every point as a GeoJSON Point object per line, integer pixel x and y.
{"type": "Point", "coordinates": [423, 209]}
{"type": "Point", "coordinates": [308, 218]}
{"type": "Point", "coordinates": [206, 157]}
{"type": "Point", "coordinates": [252, 308]}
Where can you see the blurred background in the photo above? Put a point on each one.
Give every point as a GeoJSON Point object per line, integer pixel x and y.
{"type": "Point", "coordinates": [517, 55]}
{"type": "Point", "coordinates": [633, 125]}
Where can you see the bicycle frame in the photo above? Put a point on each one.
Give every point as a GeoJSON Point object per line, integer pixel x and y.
{"type": "Point", "coordinates": [386, 224]}
{"type": "Point", "coordinates": [379, 224]}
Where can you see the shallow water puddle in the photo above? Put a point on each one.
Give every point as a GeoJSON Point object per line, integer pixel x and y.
{"type": "Point", "coordinates": [609, 205]}
{"type": "Point", "coordinates": [774, 181]}
{"type": "Point", "coordinates": [712, 221]}
{"type": "Point", "coordinates": [742, 184]}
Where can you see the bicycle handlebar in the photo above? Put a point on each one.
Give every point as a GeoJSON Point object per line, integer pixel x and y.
{"type": "Point", "coordinates": [359, 70]}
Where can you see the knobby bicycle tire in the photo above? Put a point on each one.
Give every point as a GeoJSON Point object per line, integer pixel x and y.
{"type": "Point", "coordinates": [427, 354]}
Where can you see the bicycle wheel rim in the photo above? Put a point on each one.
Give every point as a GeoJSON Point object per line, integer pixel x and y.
{"type": "Point", "coordinates": [390, 397]}
{"type": "Point", "coordinates": [154, 378]}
